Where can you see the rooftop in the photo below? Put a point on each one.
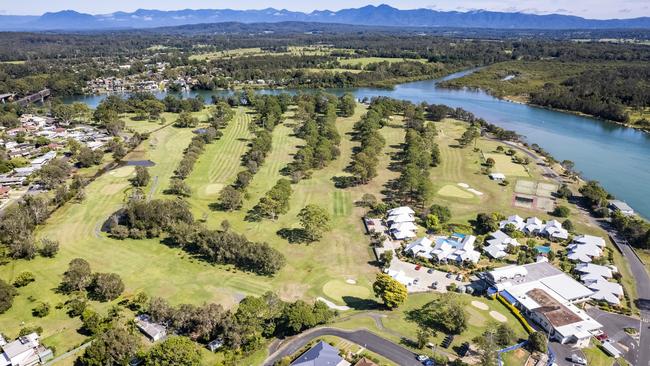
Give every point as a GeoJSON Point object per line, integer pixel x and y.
{"type": "Point", "coordinates": [556, 313]}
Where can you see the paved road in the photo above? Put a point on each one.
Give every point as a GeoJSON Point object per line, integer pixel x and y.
{"type": "Point", "coordinates": [368, 340]}
{"type": "Point", "coordinates": [613, 325]}
{"type": "Point", "coordinates": [642, 281]}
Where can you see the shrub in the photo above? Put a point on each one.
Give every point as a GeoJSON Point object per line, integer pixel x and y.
{"type": "Point", "coordinates": [41, 310]}
{"type": "Point", "coordinates": [24, 279]}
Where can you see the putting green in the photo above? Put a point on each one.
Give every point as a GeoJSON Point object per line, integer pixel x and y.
{"type": "Point", "coordinates": [212, 189]}
{"type": "Point", "coordinates": [451, 190]}
{"type": "Point", "coordinates": [336, 290]}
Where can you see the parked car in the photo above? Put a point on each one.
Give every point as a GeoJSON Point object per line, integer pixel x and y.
{"type": "Point", "coordinates": [449, 275]}
{"type": "Point", "coordinates": [430, 271]}
{"type": "Point", "coordinates": [578, 360]}
{"type": "Point", "coordinates": [422, 358]}
{"type": "Point", "coordinates": [602, 337]}
{"type": "Point", "coordinates": [429, 363]}
{"type": "Point", "coordinates": [416, 280]}
{"type": "Point", "coordinates": [417, 267]}
{"type": "Point", "coordinates": [459, 277]}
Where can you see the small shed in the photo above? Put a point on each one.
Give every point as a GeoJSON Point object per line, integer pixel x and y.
{"type": "Point", "coordinates": [497, 176]}
{"type": "Point", "coordinates": [215, 344]}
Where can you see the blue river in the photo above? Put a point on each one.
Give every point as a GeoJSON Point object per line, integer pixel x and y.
{"type": "Point", "coordinates": [616, 156]}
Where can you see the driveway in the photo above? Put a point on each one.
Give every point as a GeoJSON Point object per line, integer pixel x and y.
{"type": "Point", "coordinates": [368, 340]}
{"type": "Point", "coordinates": [613, 325]}
{"type": "Point", "coordinates": [424, 278]}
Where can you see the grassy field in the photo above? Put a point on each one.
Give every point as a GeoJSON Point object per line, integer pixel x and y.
{"type": "Point", "coordinates": [396, 325]}
{"type": "Point", "coordinates": [146, 265]}
{"type": "Point", "coordinates": [256, 51]}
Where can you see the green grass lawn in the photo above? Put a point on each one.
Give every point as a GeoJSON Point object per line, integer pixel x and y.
{"type": "Point", "coordinates": [517, 357]}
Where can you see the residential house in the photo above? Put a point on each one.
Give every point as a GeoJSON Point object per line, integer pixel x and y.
{"type": "Point", "coordinates": [584, 248]}
{"type": "Point", "coordinates": [497, 176]}
{"type": "Point", "coordinates": [322, 354]}
{"type": "Point", "coordinates": [622, 207]}
{"type": "Point", "coordinates": [420, 248]}
{"type": "Point", "coordinates": [497, 245]}
{"type": "Point", "coordinates": [401, 223]}
{"type": "Point", "coordinates": [25, 351]}
{"type": "Point", "coordinates": [596, 278]}
{"type": "Point", "coordinates": [151, 329]}
{"type": "Point", "coordinates": [365, 362]}
{"type": "Point", "coordinates": [554, 230]}
{"type": "Point", "coordinates": [457, 248]}
{"type": "Point", "coordinates": [533, 226]}
{"type": "Point", "coordinates": [4, 192]}
{"type": "Point", "coordinates": [514, 220]}
{"type": "Point", "coordinates": [214, 345]}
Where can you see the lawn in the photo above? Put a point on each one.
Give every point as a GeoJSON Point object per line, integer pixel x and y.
{"type": "Point", "coordinates": [517, 357]}
{"type": "Point", "coordinates": [149, 266]}
{"type": "Point", "coordinates": [597, 357]}
{"type": "Point", "coordinates": [396, 326]}
{"type": "Point", "coordinates": [504, 164]}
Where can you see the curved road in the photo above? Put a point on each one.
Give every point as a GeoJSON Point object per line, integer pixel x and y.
{"type": "Point", "coordinates": [368, 340]}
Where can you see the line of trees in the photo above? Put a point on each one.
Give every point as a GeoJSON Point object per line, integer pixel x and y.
{"type": "Point", "coordinates": [365, 159]}
{"type": "Point", "coordinates": [419, 155]}
{"type": "Point", "coordinates": [244, 330]}
{"type": "Point", "coordinates": [274, 203]}
{"type": "Point", "coordinates": [318, 113]}
{"type": "Point", "coordinates": [140, 219]}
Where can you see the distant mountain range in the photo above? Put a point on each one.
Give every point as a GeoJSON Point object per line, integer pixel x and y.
{"type": "Point", "coordinates": [382, 15]}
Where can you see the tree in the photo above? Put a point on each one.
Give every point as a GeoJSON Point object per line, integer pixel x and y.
{"type": "Point", "coordinates": [54, 173]}
{"type": "Point", "coordinates": [116, 346]}
{"type": "Point", "coordinates": [386, 258]}
{"type": "Point", "coordinates": [562, 211]}
{"type": "Point", "coordinates": [432, 223]}
{"type": "Point", "coordinates": [141, 178]}
{"type": "Point", "coordinates": [486, 223]}
{"type": "Point", "coordinates": [230, 199]}
{"type": "Point", "coordinates": [174, 351]}
{"type": "Point", "coordinates": [537, 342]}
{"type": "Point", "coordinates": [423, 337]}
{"type": "Point", "coordinates": [119, 152]}
{"type": "Point", "coordinates": [7, 294]}
{"type": "Point", "coordinates": [179, 188]}
{"type": "Point", "coordinates": [368, 200]}
{"type": "Point", "coordinates": [107, 286]}
{"type": "Point", "coordinates": [77, 277]}
{"type": "Point", "coordinates": [489, 162]}
{"type": "Point", "coordinates": [315, 221]}
{"type": "Point", "coordinates": [347, 104]}
{"type": "Point", "coordinates": [504, 335]}
{"type": "Point", "coordinates": [446, 313]}
{"type": "Point", "coordinates": [41, 310]}
{"type": "Point", "coordinates": [564, 192]}
{"type": "Point", "coordinates": [86, 157]}
{"type": "Point", "coordinates": [24, 279]}
{"type": "Point", "coordinates": [442, 212]}
{"type": "Point", "coordinates": [185, 120]}
{"type": "Point", "coordinates": [568, 225]}
{"type": "Point", "coordinates": [487, 349]}
{"type": "Point", "coordinates": [392, 292]}
{"type": "Point", "coordinates": [48, 248]}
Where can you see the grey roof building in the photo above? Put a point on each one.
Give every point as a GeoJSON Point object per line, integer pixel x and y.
{"type": "Point", "coordinates": [322, 354]}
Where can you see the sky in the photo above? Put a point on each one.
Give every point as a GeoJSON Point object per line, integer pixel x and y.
{"type": "Point", "coordinates": [597, 9]}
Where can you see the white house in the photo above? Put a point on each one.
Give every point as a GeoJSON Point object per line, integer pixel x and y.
{"type": "Point", "coordinates": [554, 230]}
{"type": "Point", "coordinates": [515, 220]}
{"type": "Point", "coordinates": [590, 272]}
{"type": "Point", "coordinates": [611, 292]}
{"type": "Point", "coordinates": [456, 248]}
{"type": "Point", "coordinates": [584, 248]}
{"type": "Point", "coordinates": [533, 226]}
{"type": "Point", "coordinates": [400, 277]}
{"type": "Point", "coordinates": [25, 351]}
{"type": "Point", "coordinates": [420, 248]}
{"type": "Point", "coordinates": [498, 244]}
{"type": "Point", "coordinates": [401, 223]}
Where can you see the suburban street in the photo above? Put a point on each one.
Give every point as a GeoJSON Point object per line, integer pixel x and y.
{"type": "Point", "coordinates": [364, 338]}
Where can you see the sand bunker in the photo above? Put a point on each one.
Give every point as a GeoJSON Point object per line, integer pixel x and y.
{"type": "Point", "coordinates": [479, 305]}
{"type": "Point", "coordinates": [498, 316]}
{"type": "Point", "coordinates": [464, 185]}
{"type": "Point", "coordinates": [351, 281]}
{"type": "Point", "coordinates": [332, 305]}
{"type": "Point", "coordinates": [478, 193]}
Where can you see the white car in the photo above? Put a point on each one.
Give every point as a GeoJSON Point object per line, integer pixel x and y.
{"type": "Point", "coordinates": [423, 358]}
{"type": "Point", "coordinates": [578, 360]}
